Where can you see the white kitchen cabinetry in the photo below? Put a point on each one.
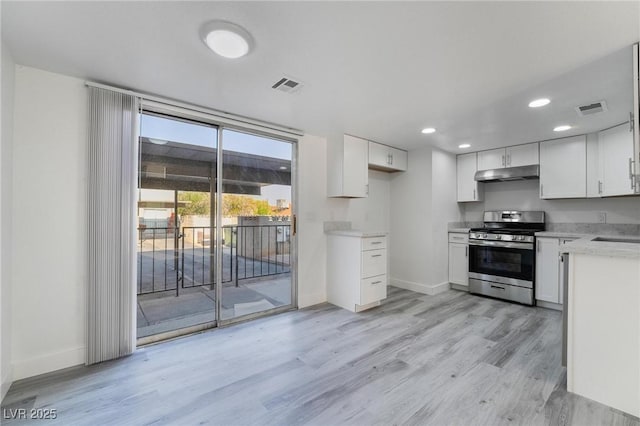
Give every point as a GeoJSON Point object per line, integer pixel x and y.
{"type": "Point", "coordinates": [512, 156]}
{"type": "Point", "coordinates": [492, 159]}
{"type": "Point", "coordinates": [387, 158]}
{"type": "Point", "coordinates": [356, 270]}
{"type": "Point", "coordinates": [459, 260]}
{"type": "Point", "coordinates": [347, 167]}
{"type": "Point", "coordinates": [522, 155]}
{"type": "Point", "coordinates": [615, 159]}
{"type": "Point", "coordinates": [467, 187]}
{"type": "Point", "coordinates": [548, 272]}
{"type": "Point", "coordinates": [563, 165]}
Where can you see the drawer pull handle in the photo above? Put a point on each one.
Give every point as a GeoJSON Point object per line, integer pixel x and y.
{"type": "Point", "coordinates": [376, 255]}
{"type": "Point", "coordinates": [376, 282]}
{"type": "Point", "coordinates": [376, 242]}
{"type": "Point", "coordinates": [495, 286]}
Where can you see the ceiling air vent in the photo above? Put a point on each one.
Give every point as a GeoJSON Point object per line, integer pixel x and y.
{"type": "Point", "coordinates": [287, 85]}
{"type": "Point", "coordinates": [594, 108]}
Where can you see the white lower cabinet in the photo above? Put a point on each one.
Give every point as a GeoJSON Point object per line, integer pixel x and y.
{"type": "Point", "coordinates": [459, 260]}
{"type": "Point", "coordinates": [547, 282]}
{"type": "Point", "coordinates": [356, 270]}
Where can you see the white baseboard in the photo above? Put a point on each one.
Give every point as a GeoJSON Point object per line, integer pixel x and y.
{"type": "Point", "coordinates": [548, 305]}
{"type": "Point", "coordinates": [430, 289]}
{"type": "Point", "coordinates": [6, 383]}
{"type": "Point", "coordinates": [48, 363]}
{"type": "Point", "coordinates": [305, 300]}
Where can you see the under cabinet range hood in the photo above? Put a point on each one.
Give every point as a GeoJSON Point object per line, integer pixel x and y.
{"type": "Point", "coordinates": [508, 173]}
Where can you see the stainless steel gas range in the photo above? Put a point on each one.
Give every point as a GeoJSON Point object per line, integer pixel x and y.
{"type": "Point", "coordinates": [502, 255]}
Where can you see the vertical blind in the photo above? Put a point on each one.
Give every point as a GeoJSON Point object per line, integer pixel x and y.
{"type": "Point", "coordinates": [111, 224]}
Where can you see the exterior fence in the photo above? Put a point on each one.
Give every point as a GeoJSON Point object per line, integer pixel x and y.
{"type": "Point", "coordinates": [170, 259]}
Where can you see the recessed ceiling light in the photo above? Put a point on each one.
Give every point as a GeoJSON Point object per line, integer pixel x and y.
{"type": "Point", "coordinates": [464, 145]}
{"type": "Point", "coordinates": [283, 168]}
{"type": "Point", "coordinates": [227, 39]}
{"type": "Point", "coordinates": [562, 128]}
{"type": "Point", "coordinates": [539, 103]}
{"type": "Point", "coordinates": [158, 141]}
{"type": "Point", "coordinates": [428, 130]}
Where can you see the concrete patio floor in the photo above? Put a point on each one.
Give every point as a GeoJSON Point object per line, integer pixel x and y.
{"type": "Point", "coordinates": [162, 312]}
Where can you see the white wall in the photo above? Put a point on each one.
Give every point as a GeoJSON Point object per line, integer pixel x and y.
{"type": "Point", "coordinates": [6, 154]}
{"type": "Point", "coordinates": [368, 214]}
{"type": "Point", "coordinates": [312, 208]}
{"type": "Point", "coordinates": [524, 195]}
{"type": "Point", "coordinates": [49, 179]}
{"type": "Point", "coordinates": [49, 174]}
{"type": "Point", "coordinates": [444, 209]}
{"type": "Point", "coordinates": [422, 203]}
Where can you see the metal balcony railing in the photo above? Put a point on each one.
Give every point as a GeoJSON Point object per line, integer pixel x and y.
{"type": "Point", "coordinates": [173, 258]}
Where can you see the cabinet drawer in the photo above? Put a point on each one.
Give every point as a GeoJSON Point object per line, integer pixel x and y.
{"type": "Point", "coordinates": [458, 238]}
{"type": "Point", "coordinates": [374, 262]}
{"type": "Point", "coordinates": [374, 243]}
{"type": "Point", "coordinates": [373, 289]}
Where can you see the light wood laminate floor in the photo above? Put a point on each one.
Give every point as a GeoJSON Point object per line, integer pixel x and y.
{"type": "Point", "coordinates": [450, 359]}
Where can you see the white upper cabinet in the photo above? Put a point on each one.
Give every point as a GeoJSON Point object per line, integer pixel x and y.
{"type": "Point", "coordinates": [493, 159]}
{"type": "Point", "coordinates": [563, 164]}
{"type": "Point", "coordinates": [522, 155]}
{"type": "Point", "coordinates": [386, 158]}
{"type": "Point", "coordinates": [512, 156]}
{"type": "Point", "coordinates": [347, 168]}
{"type": "Point", "coordinates": [615, 159]}
{"type": "Point", "coordinates": [467, 187]}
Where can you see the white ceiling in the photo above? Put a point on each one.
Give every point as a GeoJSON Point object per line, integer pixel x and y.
{"type": "Point", "coordinates": [380, 70]}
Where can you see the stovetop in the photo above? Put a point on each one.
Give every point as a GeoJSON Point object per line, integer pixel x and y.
{"type": "Point", "coordinates": [510, 231]}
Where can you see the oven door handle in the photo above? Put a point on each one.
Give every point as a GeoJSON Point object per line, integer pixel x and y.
{"type": "Point", "coordinates": [506, 244]}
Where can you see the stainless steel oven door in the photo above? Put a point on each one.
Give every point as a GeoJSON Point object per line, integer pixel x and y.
{"type": "Point", "coordinates": [503, 262]}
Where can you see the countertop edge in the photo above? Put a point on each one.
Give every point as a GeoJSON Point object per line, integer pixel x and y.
{"type": "Point", "coordinates": [356, 233]}
{"type": "Point", "coordinates": [587, 246]}
{"type": "Point", "coordinates": [459, 230]}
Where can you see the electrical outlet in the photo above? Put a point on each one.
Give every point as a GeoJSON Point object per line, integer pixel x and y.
{"type": "Point", "coordinates": [602, 217]}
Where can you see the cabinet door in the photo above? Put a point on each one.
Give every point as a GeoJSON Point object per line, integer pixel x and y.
{"type": "Point", "coordinates": [399, 159]}
{"type": "Point", "coordinates": [547, 270]}
{"type": "Point", "coordinates": [522, 155]}
{"type": "Point", "coordinates": [467, 187]}
{"type": "Point", "coordinates": [378, 155]}
{"type": "Point", "coordinates": [459, 264]}
{"type": "Point", "coordinates": [355, 168]}
{"type": "Point", "coordinates": [494, 159]}
{"type": "Point", "coordinates": [615, 153]}
{"type": "Point", "coordinates": [563, 168]}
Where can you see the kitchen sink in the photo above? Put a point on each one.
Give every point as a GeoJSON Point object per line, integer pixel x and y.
{"type": "Point", "coordinates": [617, 240]}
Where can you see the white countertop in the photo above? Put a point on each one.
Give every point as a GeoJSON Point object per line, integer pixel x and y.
{"type": "Point", "coordinates": [459, 230]}
{"type": "Point", "coordinates": [357, 233]}
{"type": "Point", "coordinates": [587, 245]}
{"type": "Point", "coordinates": [556, 234]}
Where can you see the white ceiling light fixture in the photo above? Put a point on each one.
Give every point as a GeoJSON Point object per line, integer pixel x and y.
{"type": "Point", "coordinates": [537, 103]}
{"type": "Point", "coordinates": [464, 145]}
{"type": "Point", "coordinates": [562, 128]}
{"type": "Point", "coordinates": [428, 130]}
{"type": "Point", "coordinates": [227, 39]}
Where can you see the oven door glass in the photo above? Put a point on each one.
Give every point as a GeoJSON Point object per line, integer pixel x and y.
{"type": "Point", "coordinates": [502, 262]}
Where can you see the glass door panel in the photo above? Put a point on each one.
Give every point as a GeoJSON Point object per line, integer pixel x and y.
{"type": "Point", "coordinates": [256, 224]}
{"type": "Point", "coordinates": [176, 205]}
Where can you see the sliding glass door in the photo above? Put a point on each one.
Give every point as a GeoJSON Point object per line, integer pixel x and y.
{"type": "Point", "coordinates": [256, 222]}
{"type": "Point", "coordinates": [176, 220]}
{"type": "Point", "coordinates": [204, 257]}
